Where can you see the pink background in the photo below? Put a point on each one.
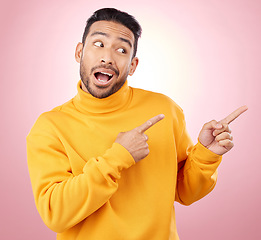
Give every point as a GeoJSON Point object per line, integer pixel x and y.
{"type": "Point", "coordinates": [203, 54]}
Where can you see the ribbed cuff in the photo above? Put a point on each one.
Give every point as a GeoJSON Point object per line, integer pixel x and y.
{"type": "Point", "coordinates": [121, 157]}
{"type": "Point", "coordinates": [204, 155]}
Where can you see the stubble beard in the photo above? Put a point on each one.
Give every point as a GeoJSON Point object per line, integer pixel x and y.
{"type": "Point", "coordinates": [102, 91]}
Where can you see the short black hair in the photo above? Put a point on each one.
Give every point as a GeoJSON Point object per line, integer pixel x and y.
{"type": "Point", "coordinates": [114, 15]}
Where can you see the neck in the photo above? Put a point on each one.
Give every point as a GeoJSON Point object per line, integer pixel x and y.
{"type": "Point", "coordinates": [85, 102]}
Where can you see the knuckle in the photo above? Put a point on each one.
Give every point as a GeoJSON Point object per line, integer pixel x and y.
{"type": "Point", "coordinates": [229, 129]}
{"type": "Point", "coordinates": [206, 124]}
{"type": "Point", "coordinates": [138, 130]}
{"type": "Point", "coordinates": [149, 123]}
{"type": "Point", "coordinates": [146, 152]}
{"type": "Point", "coordinates": [146, 137]}
{"type": "Point", "coordinates": [230, 144]}
{"type": "Point", "coordinates": [225, 125]}
{"type": "Point", "coordinates": [210, 123]}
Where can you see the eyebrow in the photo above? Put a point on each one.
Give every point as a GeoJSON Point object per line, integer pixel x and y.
{"type": "Point", "coordinates": [126, 40]}
{"type": "Point", "coordinates": [99, 33]}
{"type": "Point", "coordinates": [107, 35]}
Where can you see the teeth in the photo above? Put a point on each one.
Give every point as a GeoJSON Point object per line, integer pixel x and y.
{"type": "Point", "coordinates": [108, 74]}
{"type": "Point", "coordinates": [104, 81]}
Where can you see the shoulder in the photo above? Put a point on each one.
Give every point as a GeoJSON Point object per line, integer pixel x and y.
{"type": "Point", "coordinates": [49, 119]}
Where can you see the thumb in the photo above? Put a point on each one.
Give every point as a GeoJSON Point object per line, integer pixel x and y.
{"type": "Point", "coordinates": [206, 134]}
{"type": "Point", "coordinates": [212, 125]}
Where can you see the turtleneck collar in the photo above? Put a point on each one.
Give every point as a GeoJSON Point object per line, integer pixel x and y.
{"type": "Point", "coordinates": [85, 102]}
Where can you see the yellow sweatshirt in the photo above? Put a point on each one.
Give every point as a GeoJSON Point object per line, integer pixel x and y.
{"type": "Point", "coordinates": [87, 187]}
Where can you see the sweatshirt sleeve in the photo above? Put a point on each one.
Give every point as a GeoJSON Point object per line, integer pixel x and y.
{"type": "Point", "coordinates": [63, 199]}
{"type": "Point", "coordinates": [197, 169]}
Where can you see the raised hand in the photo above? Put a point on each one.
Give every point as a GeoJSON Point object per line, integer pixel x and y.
{"type": "Point", "coordinates": [216, 136]}
{"type": "Point", "coordinates": [135, 141]}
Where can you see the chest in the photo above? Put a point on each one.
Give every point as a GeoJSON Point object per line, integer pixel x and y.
{"type": "Point", "coordinates": [85, 137]}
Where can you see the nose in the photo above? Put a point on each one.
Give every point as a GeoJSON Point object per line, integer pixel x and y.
{"type": "Point", "coordinates": [107, 57]}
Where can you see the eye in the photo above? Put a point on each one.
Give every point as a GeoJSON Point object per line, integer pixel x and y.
{"type": "Point", "coordinates": [121, 50]}
{"type": "Point", "coordinates": [98, 44]}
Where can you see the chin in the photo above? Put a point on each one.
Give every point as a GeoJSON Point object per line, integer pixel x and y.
{"type": "Point", "coordinates": [101, 92]}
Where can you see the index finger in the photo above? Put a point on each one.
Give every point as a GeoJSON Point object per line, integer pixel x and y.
{"type": "Point", "coordinates": [231, 117]}
{"type": "Point", "coordinates": [145, 126]}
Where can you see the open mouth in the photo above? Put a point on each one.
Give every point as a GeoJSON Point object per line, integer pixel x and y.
{"type": "Point", "coordinates": [103, 77]}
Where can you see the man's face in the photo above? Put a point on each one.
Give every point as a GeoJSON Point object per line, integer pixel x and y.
{"type": "Point", "coordinates": [106, 58]}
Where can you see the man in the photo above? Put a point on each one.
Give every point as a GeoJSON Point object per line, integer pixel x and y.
{"type": "Point", "coordinates": [110, 163]}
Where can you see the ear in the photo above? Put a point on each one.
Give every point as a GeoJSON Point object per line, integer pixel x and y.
{"type": "Point", "coordinates": [134, 64]}
{"type": "Point", "coordinates": [78, 52]}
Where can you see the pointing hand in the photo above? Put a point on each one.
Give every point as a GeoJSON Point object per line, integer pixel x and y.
{"type": "Point", "coordinates": [216, 136]}
{"type": "Point", "coordinates": [135, 141]}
